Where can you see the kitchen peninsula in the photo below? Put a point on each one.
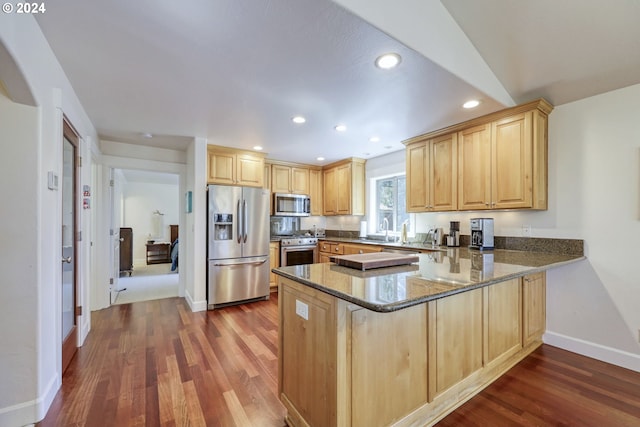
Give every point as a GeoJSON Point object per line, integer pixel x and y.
{"type": "Point", "coordinates": [405, 345]}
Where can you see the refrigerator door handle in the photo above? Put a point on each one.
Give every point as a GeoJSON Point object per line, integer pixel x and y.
{"type": "Point", "coordinates": [238, 219]}
{"type": "Point", "coordinates": [245, 220]}
{"type": "Point", "coordinates": [230, 264]}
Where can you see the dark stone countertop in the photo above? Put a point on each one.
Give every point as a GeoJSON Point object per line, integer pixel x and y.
{"type": "Point", "coordinates": [438, 274]}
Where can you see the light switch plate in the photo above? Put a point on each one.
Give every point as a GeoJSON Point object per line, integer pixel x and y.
{"type": "Point", "coordinates": [302, 310]}
{"type": "Point", "coordinates": [52, 180]}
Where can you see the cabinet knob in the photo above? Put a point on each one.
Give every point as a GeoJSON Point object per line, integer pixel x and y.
{"type": "Point", "coordinates": [361, 251]}
{"type": "Point", "coordinates": [337, 250]}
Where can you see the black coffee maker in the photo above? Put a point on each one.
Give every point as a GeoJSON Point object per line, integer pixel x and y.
{"type": "Point", "coordinates": [453, 238]}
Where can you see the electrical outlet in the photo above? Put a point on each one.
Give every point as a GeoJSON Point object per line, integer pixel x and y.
{"type": "Point", "coordinates": [302, 310]}
{"type": "Point", "coordinates": [526, 231]}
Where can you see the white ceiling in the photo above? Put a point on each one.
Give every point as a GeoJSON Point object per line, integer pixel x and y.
{"type": "Point", "coordinates": [236, 71]}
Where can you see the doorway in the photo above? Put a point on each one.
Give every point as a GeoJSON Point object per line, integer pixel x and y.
{"type": "Point", "coordinates": [146, 211]}
{"type": "Point", "coordinates": [69, 250]}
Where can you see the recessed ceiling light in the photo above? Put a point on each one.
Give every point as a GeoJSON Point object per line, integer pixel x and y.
{"type": "Point", "coordinates": [388, 61]}
{"type": "Point", "coordinates": [388, 147]}
{"type": "Point", "coordinates": [374, 139]}
{"type": "Point", "coordinates": [366, 154]}
{"type": "Point", "coordinates": [320, 159]}
{"type": "Point", "coordinates": [257, 148]}
{"type": "Point", "coordinates": [471, 103]}
{"type": "Point", "coordinates": [341, 128]}
{"type": "Point", "coordinates": [147, 135]}
{"type": "Point", "coordinates": [298, 119]}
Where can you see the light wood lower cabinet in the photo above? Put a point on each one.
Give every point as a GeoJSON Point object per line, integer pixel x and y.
{"type": "Point", "coordinates": [343, 365]}
{"type": "Point", "coordinates": [274, 262]}
{"type": "Point", "coordinates": [534, 307]}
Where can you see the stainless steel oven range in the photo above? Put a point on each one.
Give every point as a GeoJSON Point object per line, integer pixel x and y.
{"type": "Point", "coordinates": [298, 251]}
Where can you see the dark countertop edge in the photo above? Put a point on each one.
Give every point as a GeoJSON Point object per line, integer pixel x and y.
{"type": "Point", "coordinates": [387, 308]}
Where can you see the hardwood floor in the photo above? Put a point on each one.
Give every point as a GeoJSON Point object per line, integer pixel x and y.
{"type": "Point", "coordinates": [156, 363]}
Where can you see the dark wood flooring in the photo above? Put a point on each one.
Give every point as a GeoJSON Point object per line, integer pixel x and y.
{"type": "Point", "coordinates": [156, 363]}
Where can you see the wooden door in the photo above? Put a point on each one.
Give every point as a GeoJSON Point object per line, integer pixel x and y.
{"type": "Point", "coordinates": [280, 179]}
{"type": "Point", "coordinates": [474, 168]}
{"type": "Point", "coordinates": [443, 180]}
{"type": "Point", "coordinates": [343, 184]}
{"type": "Point", "coordinates": [534, 321]}
{"type": "Point", "coordinates": [512, 164]}
{"type": "Point", "coordinates": [417, 177]}
{"type": "Point", "coordinates": [69, 282]}
{"type": "Point", "coordinates": [221, 168]}
{"type": "Point", "coordinates": [315, 191]}
{"type": "Point", "coordinates": [250, 170]}
{"type": "Point", "coordinates": [300, 181]}
{"type": "Point", "coordinates": [330, 195]}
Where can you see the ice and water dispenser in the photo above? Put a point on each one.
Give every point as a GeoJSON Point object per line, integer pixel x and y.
{"type": "Point", "coordinates": [222, 226]}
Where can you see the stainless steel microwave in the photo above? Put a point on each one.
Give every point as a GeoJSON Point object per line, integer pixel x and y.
{"type": "Point", "coordinates": [291, 204]}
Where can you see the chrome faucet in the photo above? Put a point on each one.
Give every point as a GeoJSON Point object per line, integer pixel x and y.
{"type": "Point", "coordinates": [385, 225]}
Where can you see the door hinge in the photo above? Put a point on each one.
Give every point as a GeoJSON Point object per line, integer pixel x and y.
{"type": "Point", "coordinates": [79, 161]}
{"type": "Point", "coordinates": [80, 236]}
{"type": "Point", "coordinates": [111, 280]}
{"type": "Point", "coordinates": [111, 232]}
{"type": "Point", "coordinates": [111, 184]}
{"type": "Point", "coordinates": [79, 310]}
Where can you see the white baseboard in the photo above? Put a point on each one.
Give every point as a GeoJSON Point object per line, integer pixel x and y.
{"type": "Point", "coordinates": [195, 305]}
{"type": "Point", "coordinates": [28, 413]}
{"type": "Point", "coordinates": [593, 350]}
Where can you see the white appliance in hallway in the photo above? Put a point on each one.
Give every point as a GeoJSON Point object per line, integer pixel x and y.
{"type": "Point", "coordinates": [238, 245]}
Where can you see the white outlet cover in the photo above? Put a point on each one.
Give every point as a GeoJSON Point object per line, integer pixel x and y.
{"type": "Point", "coordinates": [302, 310]}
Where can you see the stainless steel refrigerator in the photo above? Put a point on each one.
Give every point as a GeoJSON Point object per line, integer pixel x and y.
{"type": "Point", "coordinates": [238, 249]}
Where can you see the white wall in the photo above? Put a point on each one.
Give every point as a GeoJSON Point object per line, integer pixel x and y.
{"type": "Point", "coordinates": [196, 226]}
{"type": "Point", "coordinates": [141, 199]}
{"type": "Point", "coordinates": [18, 228]}
{"type": "Point", "coordinates": [36, 212]}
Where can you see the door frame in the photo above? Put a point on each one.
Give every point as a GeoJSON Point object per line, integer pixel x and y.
{"type": "Point", "coordinates": [70, 342]}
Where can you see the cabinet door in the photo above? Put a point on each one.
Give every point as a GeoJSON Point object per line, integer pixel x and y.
{"type": "Point", "coordinates": [455, 339]}
{"type": "Point", "coordinates": [343, 184]}
{"type": "Point", "coordinates": [274, 262]}
{"type": "Point", "coordinates": [351, 248]}
{"type": "Point", "coordinates": [512, 163]}
{"type": "Point", "coordinates": [280, 179]}
{"type": "Point", "coordinates": [417, 181]}
{"type": "Point", "coordinates": [330, 202]}
{"type": "Point", "coordinates": [474, 168]}
{"type": "Point", "coordinates": [221, 168]}
{"type": "Point", "coordinates": [315, 191]}
{"type": "Point", "coordinates": [266, 179]}
{"type": "Point", "coordinates": [504, 325]}
{"type": "Point", "coordinates": [388, 357]}
{"type": "Point", "coordinates": [442, 178]}
{"type": "Point", "coordinates": [250, 170]}
{"type": "Point", "coordinates": [306, 346]}
{"type": "Point", "coordinates": [300, 181]}
{"type": "Point", "coordinates": [534, 320]}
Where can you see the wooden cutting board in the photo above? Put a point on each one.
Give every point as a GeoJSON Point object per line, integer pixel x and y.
{"type": "Point", "coordinates": [374, 260]}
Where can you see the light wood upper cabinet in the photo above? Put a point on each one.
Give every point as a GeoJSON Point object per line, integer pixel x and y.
{"type": "Point", "coordinates": [474, 168]}
{"type": "Point", "coordinates": [315, 191]}
{"type": "Point", "coordinates": [343, 188]}
{"type": "Point", "coordinates": [431, 174]}
{"type": "Point", "coordinates": [501, 163]}
{"type": "Point", "coordinates": [234, 167]}
{"type": "Point", "coordinates": [287, 179]}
